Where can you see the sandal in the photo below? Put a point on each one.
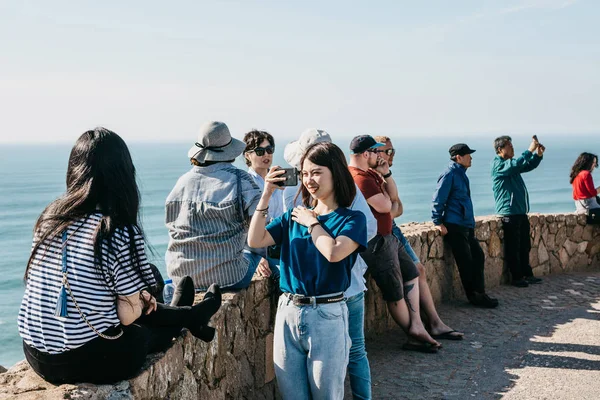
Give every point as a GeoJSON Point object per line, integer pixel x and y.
{"type": "Point", "coordinates": [450, 335]}
{"type": "Point", "coordinates": [420, 347]}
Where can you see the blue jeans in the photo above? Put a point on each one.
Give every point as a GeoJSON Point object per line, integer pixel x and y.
{"type": "Point", "coordinates": [274, 266]}
{"type": "Point", "coordinates": [400, 236]}
{"type": "Point", "coordinates": [311, 350]}
{"type": "Point", "coordinates": [254, 259]}
{"type": "Point", "coordinates": [358, 367]}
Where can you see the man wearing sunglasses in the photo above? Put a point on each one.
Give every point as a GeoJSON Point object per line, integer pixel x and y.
{"type": "Point", "coordinates": [437, 328]}
{"type": "Point", "coordinates": [393, 270]}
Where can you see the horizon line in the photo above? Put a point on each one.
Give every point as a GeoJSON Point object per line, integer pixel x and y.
{"type": "Point", "coordinates": [289, 137]}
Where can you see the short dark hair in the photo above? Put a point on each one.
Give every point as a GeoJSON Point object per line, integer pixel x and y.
{"type": "Point", "coordinates": [500, 142]}
{"type": "Point", "coordinates": [253, 139]}
{"type": "Point", "coordinates": [327, 154]}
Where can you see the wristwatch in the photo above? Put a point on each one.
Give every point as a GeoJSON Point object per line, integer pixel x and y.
{"type": "Point", "coordinates": [387, 175]}
{"type": "Point", "coordinates": [310, 228]}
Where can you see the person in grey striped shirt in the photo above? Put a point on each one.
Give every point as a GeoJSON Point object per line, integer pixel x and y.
{"type": "Point", "coordinates": [208, 213]}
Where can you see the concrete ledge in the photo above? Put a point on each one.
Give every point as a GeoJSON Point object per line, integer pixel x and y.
{"type": "Point", "coordinates": [238, 363]}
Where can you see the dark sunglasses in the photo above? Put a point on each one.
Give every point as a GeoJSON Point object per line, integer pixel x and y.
{"type": "Point", "coordinates": [260, 151]}
{"type": "Point", "coordinates": [389, 152]}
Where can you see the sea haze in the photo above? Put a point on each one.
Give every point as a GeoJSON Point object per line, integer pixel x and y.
{"type": "Point", "coordinates": [33, 175]}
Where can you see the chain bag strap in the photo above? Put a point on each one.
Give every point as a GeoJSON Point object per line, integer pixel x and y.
{"type": "Point", "coordinates": [61, 307]}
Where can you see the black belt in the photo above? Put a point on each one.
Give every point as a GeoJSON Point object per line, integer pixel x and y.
{"type": "Point", "coordinates": [301, 300]}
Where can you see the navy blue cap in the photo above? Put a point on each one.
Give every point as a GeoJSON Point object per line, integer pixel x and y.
{"type": "Point", "coordinates": [362, 143]}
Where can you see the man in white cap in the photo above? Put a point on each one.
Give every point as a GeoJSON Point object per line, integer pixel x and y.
{"type": "Point", "coordinates": [207, 214]}
{"type": "Point", "coordinates": [358, 366]}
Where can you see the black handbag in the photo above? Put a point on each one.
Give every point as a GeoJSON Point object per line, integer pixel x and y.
{"type": "Point", "coordinates": [593, 216]}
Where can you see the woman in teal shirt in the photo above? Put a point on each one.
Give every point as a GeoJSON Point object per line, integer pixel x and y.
{"type": "Point", "coordinates": [319, 245]}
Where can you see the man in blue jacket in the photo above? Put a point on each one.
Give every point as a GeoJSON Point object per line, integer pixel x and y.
{"type": "Point", "coordinates": [452, 214]}
{"type": "Point", "coordinates": [512, 204]}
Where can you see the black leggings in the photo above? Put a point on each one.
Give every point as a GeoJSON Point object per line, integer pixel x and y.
{"type": "Point", "coordinates": [105, 361]}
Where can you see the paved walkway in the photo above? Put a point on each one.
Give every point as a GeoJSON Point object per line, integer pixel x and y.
{"type": "Point", "coordinates": [542, 342]}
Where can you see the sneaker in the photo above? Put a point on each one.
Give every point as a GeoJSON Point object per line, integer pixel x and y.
{"type": "Point", "coordinates": [532, 280]}
{"type": "Point", "coordinates": [482, 300]}
{"type": "Point", "coordinates": [520, 283]}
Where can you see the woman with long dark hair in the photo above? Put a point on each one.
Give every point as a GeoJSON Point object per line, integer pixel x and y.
{"type": "Point", "coordinates": [87, 314]}
{"type": "Point", "coordinates": [319, 245]}
{"type": "Point", "coordinates": [584, 192]}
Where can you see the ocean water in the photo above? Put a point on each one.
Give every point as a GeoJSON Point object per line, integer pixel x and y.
{"type": "Point", "coordinates": [33, 175]}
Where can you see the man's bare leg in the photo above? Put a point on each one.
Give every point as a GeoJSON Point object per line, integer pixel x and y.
{"type": "Point", "coordinates": [400, 313]}
{"type": "Point", "coordinates": [417, 329]}
{"type": "Point", "coordinates": [437, 326]}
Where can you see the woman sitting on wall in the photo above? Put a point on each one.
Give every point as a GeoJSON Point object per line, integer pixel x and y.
{"type": "Point", "coordinates": [319, 246]}
{"type": "Point", "coordinates": [87, 314]}
{"type": "Point", "coordinates": [584, 192]}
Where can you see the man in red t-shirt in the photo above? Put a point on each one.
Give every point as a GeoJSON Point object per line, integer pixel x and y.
{"type": "Point", "coordinates": [390, 265]}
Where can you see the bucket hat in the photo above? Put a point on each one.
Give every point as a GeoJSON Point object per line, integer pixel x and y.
{"type": "Point", "coordinates": [215, 143]}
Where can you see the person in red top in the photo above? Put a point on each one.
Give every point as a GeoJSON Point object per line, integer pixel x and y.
{"type": "Point", "coordinates": [390, 265]}
{"type": "Point", "coordinates": [584, 192]}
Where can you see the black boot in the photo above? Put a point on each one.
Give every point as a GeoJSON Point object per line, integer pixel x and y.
{"type": "Point", "coordinates": [201, 313]}
{"type": "Point", "coordinates": [184, 293]}
{"type": "Point", "coordinates": [532, 280]}
{"type": "Point", "coordinates": [157, 290]}
{"type": "Point", "coordinates": [482, 300]}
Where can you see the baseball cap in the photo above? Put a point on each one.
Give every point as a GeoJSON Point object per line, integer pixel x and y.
{"type": "Point", "coordinates": [362, 143]}
{"type": "Point", "coordinates": [460, 149]}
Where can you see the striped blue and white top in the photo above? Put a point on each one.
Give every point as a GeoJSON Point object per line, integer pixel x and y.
{"type": "Point", "coordinates": [39, 327]}
{"type": "Point", "coordinates": [207, 216]}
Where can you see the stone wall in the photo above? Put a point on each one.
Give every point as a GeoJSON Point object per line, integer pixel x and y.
{"type": "Point", "coordinates": [238, 363]}
{"type": "Point", "coordinates": [560, 243]}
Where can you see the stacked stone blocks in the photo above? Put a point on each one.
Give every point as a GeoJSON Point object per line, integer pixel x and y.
{"type": "Point", "coordinates": [238, 363]}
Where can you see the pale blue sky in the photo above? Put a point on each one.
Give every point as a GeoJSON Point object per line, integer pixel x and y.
{"type": "Point", "coordinates": [155, 70]}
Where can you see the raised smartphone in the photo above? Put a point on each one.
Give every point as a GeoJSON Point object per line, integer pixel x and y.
{"type": "Point", "coordinates": [291, 177]}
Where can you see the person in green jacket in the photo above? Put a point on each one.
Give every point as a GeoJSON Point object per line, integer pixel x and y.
{"type": "Point", "coordinates": [512, 204]}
